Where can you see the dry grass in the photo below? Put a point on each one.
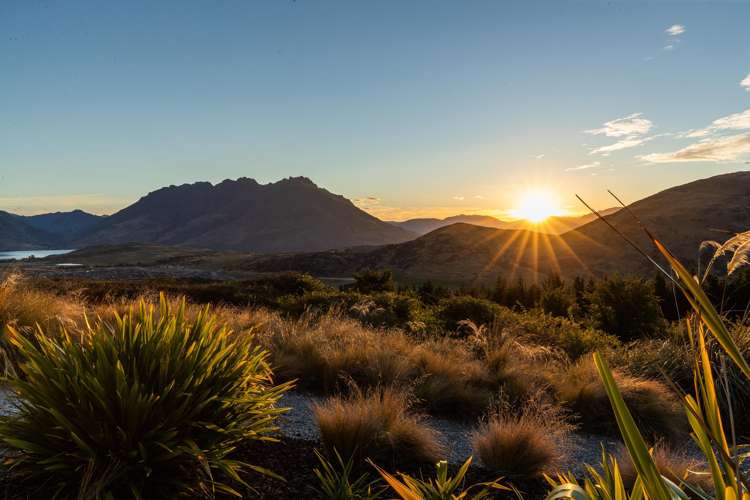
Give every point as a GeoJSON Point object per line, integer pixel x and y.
{"type": "Point", "coordinates": [326, 351]}
{"type": "Point", "coordinates": [23, 307]}
{"type": "Point", "coordinates": [678, 466]}
{"type": "Point", "coordinates": [523, 445]}
{"type": "Point", "coordinates": [377, 424]}
{"type": "Point", "coordinates": [655, 408]}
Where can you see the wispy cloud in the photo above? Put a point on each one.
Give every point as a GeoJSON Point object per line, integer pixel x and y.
{"type": "Point", "coordinates": [459, 198]}
{"type": "Point", "coordinates": [630, 131]}
{"type": "Point", "coordinates": [746, 83]}
{"type": "Point", "coordinates": [539, 157]}
{"type": "Point", "coordinates": [675, 30]}
{"type": "Point", "coordinates": [627, 125]}
{"type": "Point", "coordinates": [628, 142]}
{"type": "Point", "coordinates": [478, 197]}
{"type": "Point", "coordinates": [735, 121]}
{"type": "Point", "coordinates": [669, 47]}
{"type": "Point", "coordinates": [583, 167]}
{"type": "Point", "coordinates": [714, 149]}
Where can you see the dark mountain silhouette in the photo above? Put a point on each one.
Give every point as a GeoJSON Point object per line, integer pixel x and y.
{"type": "Point", "coordinates": [290, 215]}
{"type": "Point", "coordinates": [17, 234]}
{"type": "Point", "coordinates": [68, 226]}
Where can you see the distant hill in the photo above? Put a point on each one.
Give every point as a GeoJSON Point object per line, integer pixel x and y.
{"type": "Point", "coordinates": [17, 234]}
{"type": "Point", "coordinates": [681, 216]}
{"type": "Point", "coordinates": [68, 226]}
{"type": "Point", "coordinates": [552, 225]}
{"type": "Point", "coordinates": [291, 215]}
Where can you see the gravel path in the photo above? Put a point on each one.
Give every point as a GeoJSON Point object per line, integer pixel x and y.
{"type": "Point", "coordinates": [299, 423]}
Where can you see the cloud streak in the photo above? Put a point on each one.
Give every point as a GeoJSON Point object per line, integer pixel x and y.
{"type": "Point", "coordinates": [587, 166]}
{"type": "Point", "coordinates": [675, 30]}
{"type": "Point", "coordinates": [746, 83]}
{"type": "Point", "coordinates": [716, 149]}
{"type": "Point", "coordinates": [630, 131]}
{"type": "Point", "coordinates": [625, 126]}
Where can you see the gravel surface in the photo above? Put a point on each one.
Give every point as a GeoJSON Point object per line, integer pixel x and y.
{"type": "Point", "coordinates": [299, 423]}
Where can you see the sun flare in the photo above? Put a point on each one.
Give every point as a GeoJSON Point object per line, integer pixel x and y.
{"type": "Point", "coordinates": [537, 205]}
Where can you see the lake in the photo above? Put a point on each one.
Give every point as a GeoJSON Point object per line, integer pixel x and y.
{"type": "Point", "coordinates": [23, 254]}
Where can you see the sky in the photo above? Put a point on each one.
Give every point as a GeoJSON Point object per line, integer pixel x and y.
{"type": "Point", "coordinates": [410, 109]}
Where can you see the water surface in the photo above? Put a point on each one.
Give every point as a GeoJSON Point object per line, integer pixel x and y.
{"type": "Point", "coordinates": [24, 254]}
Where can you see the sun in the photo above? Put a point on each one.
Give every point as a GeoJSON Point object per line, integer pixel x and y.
{"type": "Point", "coordinates": [536, 205]}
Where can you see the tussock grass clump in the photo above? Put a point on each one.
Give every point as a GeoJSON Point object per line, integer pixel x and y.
{"type": "Point", "coordinates": [377, 424]}
{"type": "Point", "coordinates": [677, 466]}
{"type": "Point", "coordinates": [148, 406]}
{"type": "Point", "coordinates": [23, 307]}
{"type": "Point", "coordinates": [324, 352]}
{"type": "Point", "coordinates": [654, 407]}
{"type": "Point", "coordinates": [523, 444]}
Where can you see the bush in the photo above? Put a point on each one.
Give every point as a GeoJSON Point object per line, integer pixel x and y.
{"type": "Point", "coordinates": [374, 281]}
{"type": "Point", "coordinates": [572, 337]}
{"type": "Point", "coordinates": [388, 309]}
{"type": "Point", "coordinates": [654, 407]}
{"type": "Point", "coordinates": [453, 310]}
{"type": "Point", "coordinates": [626, 307]}
{"type": "Point", "coordinates": [150, 406]}
{"type": "Point", "coordinates": [556, 300]}
{"type": "Point", "coordinates": [376, 424]}
{"type": "Point", "coordinates": [523, 445]}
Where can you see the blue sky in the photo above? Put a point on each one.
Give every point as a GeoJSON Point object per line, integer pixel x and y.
{"type": "Point", "coordinates": [410, 108]}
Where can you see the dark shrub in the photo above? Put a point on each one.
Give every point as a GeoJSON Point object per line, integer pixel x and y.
{"type": "Point", "coordinates": [456, 309]}
{"type": "Point", "coordinates": [626, 307]}
{"type": "Point", "coordinates": [373, 281]}
{"type": "Point", "coordinates": [556, 300]}
{"type": "Point", "coordinates": [148, 407]}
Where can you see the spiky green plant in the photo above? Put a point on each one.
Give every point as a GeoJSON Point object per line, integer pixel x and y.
{"type": "Point", "coordinates": [442, 486]}
{"type": "Point", "coordinates": [702, 409]}
{"type": "Point", "coordinates": [151, 405]}
{"type": "Point", "coordinates": [336, 482]}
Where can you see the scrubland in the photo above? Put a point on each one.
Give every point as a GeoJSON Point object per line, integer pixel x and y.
{"type": "Point", "coordinates": [381, 359]}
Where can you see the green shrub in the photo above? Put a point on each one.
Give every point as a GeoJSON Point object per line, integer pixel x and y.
{"type": "Point", "coordinates": [625, 307]}
{"type": "Point", "coordinates": [570, 336]}
{"type": "Point", "coordinates": [337, 480]}
{"type": "Point", "coordinates": [556, 300]}
{"type": "Point", "coordinates": [453, 310]}
{"type": "Point", "coordinates": [373, 281]}
{"type": "Point", "coordinates": [150, 406]}
{"type": "Point", "coordinates": [388, 309]}
{"type": "Point", "coordinates": [319, 302]}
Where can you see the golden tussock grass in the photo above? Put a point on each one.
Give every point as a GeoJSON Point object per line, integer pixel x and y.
{"type": "Point", "coordinates": [523, 444]}
{"type": "Point", "coordinates": [676, 465]}
{"type": "Point", "coordinates": [377, 424]}
{"type": "Point", "coordinates": [654, 406]}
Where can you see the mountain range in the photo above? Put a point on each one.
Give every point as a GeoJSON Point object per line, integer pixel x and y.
{"type": "Point", "coordinates": [291, 215]}
{"type": "Point", "coordinates": [295, 225]}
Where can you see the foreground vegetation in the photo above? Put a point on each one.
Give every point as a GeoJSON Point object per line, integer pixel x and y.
{"type": "Point", "coordinates": [123, 394]}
